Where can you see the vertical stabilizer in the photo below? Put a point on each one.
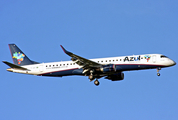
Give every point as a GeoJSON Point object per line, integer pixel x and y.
{"type": "Point", "coordinates": [19, 58]}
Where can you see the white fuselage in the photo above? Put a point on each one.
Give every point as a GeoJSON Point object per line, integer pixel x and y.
{"type": "Point", "coordinates": [152, 60]}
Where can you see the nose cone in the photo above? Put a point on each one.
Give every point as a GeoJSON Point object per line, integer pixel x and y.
{"type": "Point", "coordinates": [173, 63]}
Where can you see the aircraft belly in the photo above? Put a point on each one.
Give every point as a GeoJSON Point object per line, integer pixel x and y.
{"type": "Point", "coordinates": [78, 72]}
{"type": "Point", "coordinates": [64, 73]}
{"type": "Point", "coordinates": [125, 67]}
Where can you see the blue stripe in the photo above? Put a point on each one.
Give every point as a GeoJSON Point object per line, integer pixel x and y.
{"type": "Point", "coordinates": [74, 71]}
{"type": "Point", "coordinates": [125, 67]}
{"type": "Point", "coordinates": [119, 67]}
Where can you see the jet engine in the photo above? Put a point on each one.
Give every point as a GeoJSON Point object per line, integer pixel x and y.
{"type": "Point", "coordinates": [108, 68]}
{"type": "Point", "coordinates": [115, 77]}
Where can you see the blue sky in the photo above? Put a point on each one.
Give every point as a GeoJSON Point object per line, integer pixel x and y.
{"type": "Point", "coordinates": [91, 29]}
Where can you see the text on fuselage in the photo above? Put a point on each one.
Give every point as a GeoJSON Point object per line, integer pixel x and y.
{"type": "Point", "coordinates": [132, 58]}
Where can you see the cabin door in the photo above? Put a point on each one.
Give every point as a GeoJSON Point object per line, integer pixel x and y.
{"type": "Point", "coordinates": [154, 58]}
{"type": "Point", "coordinates": [41, 68]}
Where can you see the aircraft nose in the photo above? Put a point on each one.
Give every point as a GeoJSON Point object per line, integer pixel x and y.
{"type": "Point", "coordinates": [173, 62]}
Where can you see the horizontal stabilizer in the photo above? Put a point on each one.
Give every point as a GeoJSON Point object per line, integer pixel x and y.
{"type": "Point", "coordinates": [14, 66]}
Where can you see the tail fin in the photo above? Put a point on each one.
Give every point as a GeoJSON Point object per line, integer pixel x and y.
{"type": "Point", "coordinates": [18, 57]}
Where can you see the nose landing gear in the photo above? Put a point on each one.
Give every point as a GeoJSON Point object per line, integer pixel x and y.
{"type": "Point", "coordinates": [158, 69]}
{"type": "Point", "coordinates": [158, 74]}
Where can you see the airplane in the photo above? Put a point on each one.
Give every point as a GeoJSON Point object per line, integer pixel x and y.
{"type": "Point", "coordinates": [110, 68]}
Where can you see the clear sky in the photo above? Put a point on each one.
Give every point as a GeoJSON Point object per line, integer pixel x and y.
{"type": "Point", "coordinates": [91, 29]}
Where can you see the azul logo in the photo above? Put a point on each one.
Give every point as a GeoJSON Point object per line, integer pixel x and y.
{"type": "Point", "coordinates": [19, 56]}
{"type": "Point", "coordinates": [132, 58]}
{"type": "Point", "coordinates": [147, 57]}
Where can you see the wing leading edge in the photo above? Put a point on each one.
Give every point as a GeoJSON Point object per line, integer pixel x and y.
{"type": "Point", "coordinates": [83, 62]}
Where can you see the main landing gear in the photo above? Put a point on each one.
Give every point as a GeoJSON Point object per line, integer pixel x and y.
{"type": "Point", "coordinates": [158, 69]}
{"type": "Point", "coordinates": [91, 77]}
{"type": "Point", "coordinates": [96, 82]}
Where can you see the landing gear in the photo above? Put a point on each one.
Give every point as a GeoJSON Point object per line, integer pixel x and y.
{"type": "Point", "coordinates": [96, 82]}
{"type": "Point", "coordinates": [91, 77]}
{"type": "Point", "coordinates": [158, 74]}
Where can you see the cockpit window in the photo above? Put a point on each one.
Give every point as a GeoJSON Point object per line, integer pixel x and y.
{"type": "Point", "coordinates": [163, 56]}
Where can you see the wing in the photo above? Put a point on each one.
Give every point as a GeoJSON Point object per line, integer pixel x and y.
{"type": "Point", "coordinates": [83, 62]}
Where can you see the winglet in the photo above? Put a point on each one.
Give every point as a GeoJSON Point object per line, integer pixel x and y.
{"type": "Point", "coordinates": [67, 52]}
{"type": "Point", "coordinates": [63, 49]}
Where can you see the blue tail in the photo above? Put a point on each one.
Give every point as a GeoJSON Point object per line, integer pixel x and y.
{"type": "Point", "coordinates": [19, 58]}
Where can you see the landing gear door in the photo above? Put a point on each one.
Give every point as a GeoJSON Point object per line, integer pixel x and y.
{"type": "Point", "coordinates": [154, 58]}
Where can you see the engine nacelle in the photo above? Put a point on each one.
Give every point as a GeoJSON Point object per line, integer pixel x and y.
{"type": "Point", "coordinates": [116, 77]}
{"type": "Point", "coordinates": [108, 68]}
